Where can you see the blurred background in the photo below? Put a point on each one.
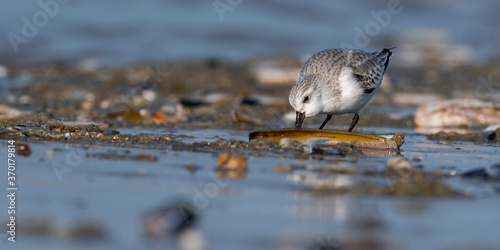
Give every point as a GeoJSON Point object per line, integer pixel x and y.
{"type": "Point", "coordinates": [146, 31]}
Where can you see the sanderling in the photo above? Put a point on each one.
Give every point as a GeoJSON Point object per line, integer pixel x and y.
{"type": "Point", "coordinates": [337, 81]}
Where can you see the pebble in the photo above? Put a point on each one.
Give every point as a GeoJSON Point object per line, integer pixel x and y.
{"type": "Point", "coordinates": [169, 220]}
{"type": "Point", "coordinates": [24, 149]}
{"type": "Point", "coordinates": [231, 161]}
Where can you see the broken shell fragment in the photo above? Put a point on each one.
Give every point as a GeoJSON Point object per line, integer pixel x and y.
{"type": "Point", "coordinates": [390, 141]}
{"type": "Point", "coordinates": [457, 113]}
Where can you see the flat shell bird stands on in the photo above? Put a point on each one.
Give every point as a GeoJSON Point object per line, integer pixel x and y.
{"type": "Point", "coordinates": [337, 81]}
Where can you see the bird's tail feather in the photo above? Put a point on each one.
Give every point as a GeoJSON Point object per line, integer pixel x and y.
{"type": "Point", "coordinates": [384, 55]}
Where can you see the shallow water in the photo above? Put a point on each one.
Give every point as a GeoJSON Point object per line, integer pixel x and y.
{"type": "Point", "coordinates": [264, 210]}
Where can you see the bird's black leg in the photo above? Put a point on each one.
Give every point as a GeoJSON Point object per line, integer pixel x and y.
{"type": "Point", "coordinates": [355, 120]}
{"type": "Point", "coordinates": [328, 117]}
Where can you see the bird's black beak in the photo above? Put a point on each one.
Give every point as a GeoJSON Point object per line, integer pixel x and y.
{"type": "Point", "coordinates": [299, 119]}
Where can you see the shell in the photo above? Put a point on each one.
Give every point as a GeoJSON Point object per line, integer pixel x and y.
{"type": "Point", "coordinates": [458, 113]}
{"type": "Point", "coordinates": [393, 141]}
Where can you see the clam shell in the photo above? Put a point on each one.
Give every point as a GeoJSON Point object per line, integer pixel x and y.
{"type": "Point", "coordinates": [389, 141]}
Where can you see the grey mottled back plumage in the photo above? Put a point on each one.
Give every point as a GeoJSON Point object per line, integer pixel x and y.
{"type": "Point", "coordinates": [367, 67]}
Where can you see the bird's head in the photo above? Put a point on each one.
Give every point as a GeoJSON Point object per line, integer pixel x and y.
{"type": "Point", "coordinates": [305, 97]}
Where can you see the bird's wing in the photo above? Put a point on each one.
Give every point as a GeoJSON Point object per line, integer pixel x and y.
{"type": "Point", "coordinates": [323, 62]}
{"type": "Point", "coordinates": [369, 68]}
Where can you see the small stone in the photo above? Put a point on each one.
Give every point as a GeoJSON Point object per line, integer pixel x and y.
{"type": "Point", "coordinates": [285, 142]}
{"type": "Point", "coordinates": [169, 220]}
{"type": "Point", "coordinates": [398, 164]}
{"type": "Point", "coordinates": [231, 161]}
{"type": "Point", "coordinates": [24, 149]}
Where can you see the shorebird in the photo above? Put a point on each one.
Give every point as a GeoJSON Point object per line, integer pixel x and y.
{"type": "Point", "coordinates": [337, 81]}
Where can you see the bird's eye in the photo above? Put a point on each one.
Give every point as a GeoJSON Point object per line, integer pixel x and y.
{"type": "Point", "coordinates": [306, 99]}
